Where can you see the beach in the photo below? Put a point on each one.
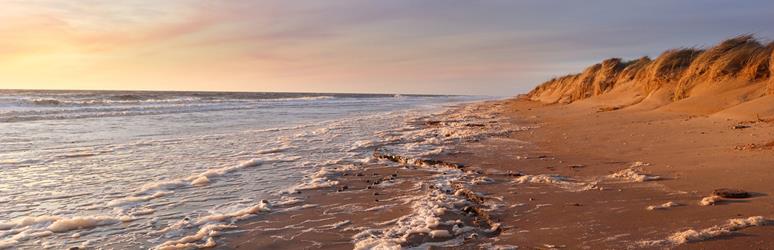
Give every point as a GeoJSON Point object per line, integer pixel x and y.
{"type": "Point", "coordinates": [386, 125]}
{"type": "Point", "coordinates": [546, 176]}
{"type": "Point", "coordinates": [670, 152]}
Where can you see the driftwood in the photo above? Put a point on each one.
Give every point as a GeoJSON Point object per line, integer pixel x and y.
{"type": "Point", "coordinates": [731, 193]}
{"type": "Point", "coordinates": [460, 190]}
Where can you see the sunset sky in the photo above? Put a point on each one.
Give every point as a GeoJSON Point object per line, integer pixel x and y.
{"type": "Point", "coordinates": [393, 46]}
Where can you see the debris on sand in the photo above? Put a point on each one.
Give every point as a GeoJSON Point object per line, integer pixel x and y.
{"type": "Point", "coordinates": [633, 173]}
{"type": "Point", "coordinates": [692, 235]}
{"type": "Point", "coordinates": [731, 193]}
{"type": "Point", "coordinates": [460, 190]}
{"type": "Point", "coordinates": [433, 123]}
{"type": "Point", "coordinates": [663, 206]}
{"type": "Point", "coordinates": [718, 195]}
{"type": "Point", "coordinates": [756, 146]}
{"type": "Point", "coordinates": [416, 161]}
{"type": "Point", "coordinates": [741, 126]}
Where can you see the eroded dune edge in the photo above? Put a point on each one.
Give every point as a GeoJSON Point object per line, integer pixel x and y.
{"type": "Point", "coordinates": [731, 79]}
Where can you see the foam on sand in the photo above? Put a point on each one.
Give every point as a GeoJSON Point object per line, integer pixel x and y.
{"type": "Point", "coordinates": [210, 226]}
{"type": "Point", "coordinates": [336, 225]}
{"type": "Point", "coordinates": [324, 177]}
{"type": "Point", "coordinates": [482, 180]}
{"type": "Point", "coordinates": [425, 217]}
{"type": "Point", "coordinates": [490, 246]}
{"type": "Point", "coordinates": [432, 134]}
{"type": "Point", "coordinates": [633, 173]}
{"type": "Point", "coordinates": [557, 180]}
{"type": "Point", "coordinates": [194, 179]}
{"type": "Point", "coordinates": [205, 233]}
{"type": "Point", "coordinates": [710, 200]}
{"type": "Point", "coordinates": [263, 206]}
{"type": "Point", "coordinates": [663, 206]}
{"type": "Point", "coordinates": [692, 235]}
{"type": "Point", "coordinates": [440, 233]}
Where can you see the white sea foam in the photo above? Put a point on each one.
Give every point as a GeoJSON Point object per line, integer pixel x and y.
{"type": "Point", "coordinates": [60, 224]}
{"type": "Point", "coordinates": [289, 200]}
{"type": "Point", "coordinates": [135, 199]}
{"type": "Point", "coordinates": [263, 206]}
{"type": "Point", "coordinates": [453, 127]}
{"type": "Point", "coordinates": [80, 222]}
{"type": "Point", "coordinates": [710, 200]}
{"type": "Point", "coordinates": [663, 206]}
{"type": "Point", "coordinates": [296, 208]}
{"type": "Point", "coordinates": [143, 211]}
{"type": "Point", "coordinates": [425, 215]}
{"type": "Point", "coordinates": [336, 225]}
{"type": "Point", "coordinates": [633, 173]}
{"type": "Point", "coordinates": [557, 180]}
{"type": "Point", "coordinates": [209, 227]}
{"type": "Point", "coordinates": [467, 124]}
{"type": "Point", "coordinates": [380, 207]}
{"type": "Point", "coordinates": [194, 180]}
{"type": "Point", "coordinates": [206, 234]}
{"type": "Point", "coordinates": [324, 177]}
{"type": "Point", "coordinates": [440, 233]}
{"type": "Point", "coordinates": [31, 227]}
{"type": "Point", "coordinates": [490, 246]}
{"type": "Point", "coordinates": [693, 235]}
{"type": "Point", "coordinates": [482, 180]}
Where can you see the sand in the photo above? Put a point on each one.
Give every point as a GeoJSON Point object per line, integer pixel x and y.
{"type": "Point", "coordinates": [572, 152]}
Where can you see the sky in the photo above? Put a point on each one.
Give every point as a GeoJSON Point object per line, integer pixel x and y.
{"type": "Point", "coordinates": [497, 47]}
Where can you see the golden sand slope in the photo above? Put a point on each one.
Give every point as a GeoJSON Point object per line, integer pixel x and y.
{"type": "Point", "coordinates": [735, 72]}
{"type": "Point", "coordinates": [771, 70]}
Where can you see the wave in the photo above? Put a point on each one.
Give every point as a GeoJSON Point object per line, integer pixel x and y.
{"type": "Point", "coordinates": [37, 115]}
{"type": "Point", "coordinates": [305, 98]}
{"type": "Point", "coordinates": [130, 99]}
{"type": "Point", "coordinates": [34, 109]}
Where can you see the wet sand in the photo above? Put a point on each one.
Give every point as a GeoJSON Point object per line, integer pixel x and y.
{"type": "Point", "coordinates": [551, 186]}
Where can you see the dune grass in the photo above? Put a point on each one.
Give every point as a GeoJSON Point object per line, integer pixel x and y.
{"type": "Point", "coordinates": [739, 58]}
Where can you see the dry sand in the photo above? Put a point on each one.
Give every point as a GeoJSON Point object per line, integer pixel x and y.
{"type": "Point", "coordinates": [555, 186]}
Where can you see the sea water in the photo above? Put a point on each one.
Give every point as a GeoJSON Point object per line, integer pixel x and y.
{"type": "Point", "coordinates": [140, 169]}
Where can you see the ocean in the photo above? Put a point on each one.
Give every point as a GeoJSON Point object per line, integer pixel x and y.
{"type": "Point", "coordinates": [135, 169]}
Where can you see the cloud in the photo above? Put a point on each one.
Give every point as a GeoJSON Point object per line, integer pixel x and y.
{"type": "Point", "coordinates": [349, 45]}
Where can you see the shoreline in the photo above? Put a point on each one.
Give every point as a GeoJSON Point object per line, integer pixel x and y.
{"type": "Point", "coordinates": [560, 183]}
